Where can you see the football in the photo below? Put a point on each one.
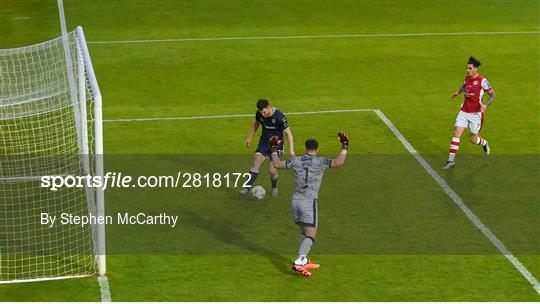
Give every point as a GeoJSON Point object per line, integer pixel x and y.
{"type": "Point", "coordinates": [258, 192]}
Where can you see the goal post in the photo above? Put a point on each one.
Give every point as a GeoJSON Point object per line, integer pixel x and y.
{"type": "Point", "coordinates": [98, 131]}
{"type": "Point", "coordinates": [50, 125]}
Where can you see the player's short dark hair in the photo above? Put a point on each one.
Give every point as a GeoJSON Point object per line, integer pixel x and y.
{"type": "Point", "coordinates": [475, 63]}
{"type": "Point", "coordinates": [311, 144]}
{"type": "Point", "coordinates": [262, 103]}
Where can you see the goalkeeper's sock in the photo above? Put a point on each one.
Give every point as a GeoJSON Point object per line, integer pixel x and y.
{"type": "Point", "coordinates": [305, 248]}
{"type": "Point", "coordinates": [454, 147]}
{"type": "Point", "coordinates": [273, 179]}
{"type": "Point", "coordinates": [253, 173]}
{"type": "Point", "coordinates": [301, 259]}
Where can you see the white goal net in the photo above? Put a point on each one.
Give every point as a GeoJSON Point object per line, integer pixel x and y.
{"type": "Point", "coordinates": [50, 124]}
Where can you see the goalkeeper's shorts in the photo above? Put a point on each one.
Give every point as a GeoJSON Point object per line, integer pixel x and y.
{"type": "Point", "coordinates": [305, 212]}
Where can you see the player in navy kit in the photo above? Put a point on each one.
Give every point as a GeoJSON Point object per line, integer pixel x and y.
{"type": "Point", "coordinates": [274, 123]}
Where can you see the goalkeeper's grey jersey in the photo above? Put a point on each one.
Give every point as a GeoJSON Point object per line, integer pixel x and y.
{"type": "Point", "coordinates": [308, 174]}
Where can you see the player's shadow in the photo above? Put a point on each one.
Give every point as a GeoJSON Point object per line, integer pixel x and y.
{"type": "Point", "coordinates": [468, 182]}
{"type": "Point", "coordinates": [225, 232]}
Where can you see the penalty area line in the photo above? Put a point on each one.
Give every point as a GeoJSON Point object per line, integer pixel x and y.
{"type": "Point", "coordinates": [229, 116]}
{"type": "Point", "coordinates": [461, 204]}
{"type": "Point", "coordinates": [315, 37]}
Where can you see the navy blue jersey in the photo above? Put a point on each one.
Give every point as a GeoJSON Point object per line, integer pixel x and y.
{"type": "Point", "coordinates": [273, 125]}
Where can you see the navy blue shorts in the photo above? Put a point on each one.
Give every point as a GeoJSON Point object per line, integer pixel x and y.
{"type": "Point", "coordinates": [265, 150]}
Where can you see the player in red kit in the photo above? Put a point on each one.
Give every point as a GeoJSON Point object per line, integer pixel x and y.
{"type": "Point", "coordinates": [472, 111]}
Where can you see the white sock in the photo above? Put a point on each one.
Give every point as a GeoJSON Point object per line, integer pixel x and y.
{"type": "Point", "coordinates": [301, 260]}
{"type": "Point", "coordinates": [481, 141]}
{"type": "Point", "coordinates": [454, 147]}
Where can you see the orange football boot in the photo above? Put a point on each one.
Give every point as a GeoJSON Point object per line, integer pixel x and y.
{"type": "Point", "coordinates": [303, 271]}
{"type": "Point", "coordinates": [311, 266]}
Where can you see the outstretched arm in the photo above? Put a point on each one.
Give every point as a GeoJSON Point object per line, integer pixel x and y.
{"type": "Point", "coordinates": [339, 160]}
{"type": "Point", "coordinates": [252, 131]}
{"type": "Point", "coordinates": [290, 141]}
{"type": "Point", "coordinates": [275, 142]}
{"type": "Point", "coordinates": [276, 162]}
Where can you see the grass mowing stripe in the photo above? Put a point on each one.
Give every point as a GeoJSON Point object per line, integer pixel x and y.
{"type": "Point", "coordinates": [459, 202]}
{"type": "Point", "coordinates": [312, 37]}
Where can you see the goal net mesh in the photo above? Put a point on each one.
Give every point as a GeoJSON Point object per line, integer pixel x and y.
{"type": "Point", "coordinates": [46, 129]}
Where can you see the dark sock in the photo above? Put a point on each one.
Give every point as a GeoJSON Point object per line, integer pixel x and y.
{"type": "Point", "coordinates": [273, 179]}
{"type": "Point", "coordinates": [252, 178]}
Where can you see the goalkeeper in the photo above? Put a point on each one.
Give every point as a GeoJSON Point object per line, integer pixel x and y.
{"type": "Point", "coordinates": [308, 173]}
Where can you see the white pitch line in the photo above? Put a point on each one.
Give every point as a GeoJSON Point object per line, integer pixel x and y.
{"type": "Point", "coordinates": [45, 279]}
{"type": "Point", "coordinates": [229, 116]}
{"type": "Point", "coordinates": [313, 37]}
{"type": "Point", "coordinates": [104, 288]}
{"type": "Point", "coordinates": [22, 18]}
{"type": "Point", "coordinates": [459, 202]}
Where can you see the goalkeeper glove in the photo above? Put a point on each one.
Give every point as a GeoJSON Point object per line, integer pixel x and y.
{"type": "Point", "coordinates": [275, 142]}
{"type": "Point", "coordinates": [342, 137]}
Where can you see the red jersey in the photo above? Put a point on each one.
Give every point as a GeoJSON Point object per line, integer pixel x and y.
{"type": "Point", "coordinates": [474, 89]}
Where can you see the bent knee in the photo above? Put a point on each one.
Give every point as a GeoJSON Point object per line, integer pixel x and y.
{"type": "Point", "coordinates": [310, 232]}
{"type": "Point", "coordinates": [257, 161]}
{"type": "Point", "coordinates": [473, 138]}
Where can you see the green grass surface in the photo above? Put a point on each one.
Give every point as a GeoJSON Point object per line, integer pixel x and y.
{"type": "Point", "coordinates": [388, 232]}
{"type": "Point", "coordinates": [369, 278]}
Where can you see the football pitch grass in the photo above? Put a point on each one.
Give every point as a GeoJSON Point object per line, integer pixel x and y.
{"type": "Point", "coordinates": [388, 231]}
